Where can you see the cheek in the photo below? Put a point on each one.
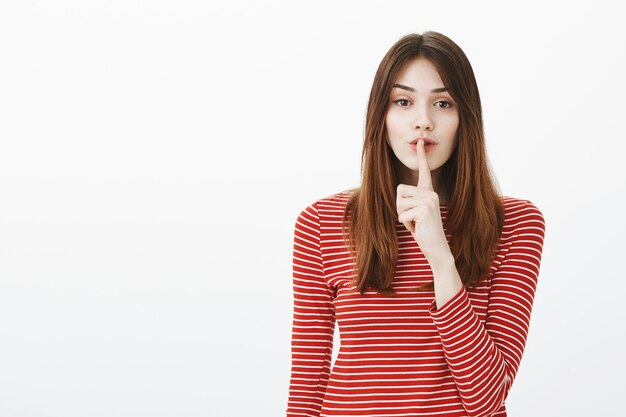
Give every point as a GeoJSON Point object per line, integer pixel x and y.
{"type": "Point", "coordinates": [452, 127]}
{"type": "Point", "coordinates": [391, 123]}
{"type": "Point", "coordinates": [455, 123]}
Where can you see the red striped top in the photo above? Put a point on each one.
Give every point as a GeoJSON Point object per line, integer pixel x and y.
{"type": "Point", "coordinates": [400, 356]}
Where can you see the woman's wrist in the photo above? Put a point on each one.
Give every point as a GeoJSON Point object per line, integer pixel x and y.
{"type": "Point", "coordinates": [442, 261]}
{"type": "Point", "coordinates": [447, 281]}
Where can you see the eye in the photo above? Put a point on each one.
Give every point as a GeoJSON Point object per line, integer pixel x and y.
{"type": "Point", "coordinates": [448, 104]}
{"type": "Point", "coordinates": [403, 100]}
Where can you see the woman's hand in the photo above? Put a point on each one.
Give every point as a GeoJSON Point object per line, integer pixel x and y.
{"type": "Point", "coordinates": [418, 209]}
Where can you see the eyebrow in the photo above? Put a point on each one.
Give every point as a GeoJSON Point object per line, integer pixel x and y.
{"type": "Point", "coordinates": [411, 89]}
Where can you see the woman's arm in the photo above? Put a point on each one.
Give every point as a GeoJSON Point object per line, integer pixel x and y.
{"type": "Point", "coordinates": [484, 357]}
{"type": "Point", "coordinates": [313, 320]}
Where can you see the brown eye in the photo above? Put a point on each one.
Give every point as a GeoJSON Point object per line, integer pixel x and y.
{"type": "Point", "coordinates": [448, 104]}
{"type": "Point", "coordinates": [402, 100]}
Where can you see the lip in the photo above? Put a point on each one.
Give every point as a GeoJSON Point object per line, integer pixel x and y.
{"type": "Point", "coordinates": [427, 148]}
{"type": "Point", "coordinates": [427, 141]}
{"type": "Point", "coordinates": [429, 144]}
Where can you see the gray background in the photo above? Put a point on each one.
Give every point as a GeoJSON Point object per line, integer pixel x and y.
{"type": "Point", "coordinates": [155, 155]}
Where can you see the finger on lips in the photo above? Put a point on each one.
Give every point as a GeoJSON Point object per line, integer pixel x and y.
{"type": "Point", "coordinates": [424, 180]}
{"type": "Point", "coordinates": [410, 200]}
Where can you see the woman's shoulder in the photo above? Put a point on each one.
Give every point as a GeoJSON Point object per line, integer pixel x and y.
{"type": "Point", "coordinates": [329, 205]}
{"type": "Point", "coordinates": [335, 202]}
{"type": "Point", "coordinates": [512, 204]}
{"type": "Point", "coordinates": [518, 211]}
{"type": "Point", "coordinates": [340, 197]}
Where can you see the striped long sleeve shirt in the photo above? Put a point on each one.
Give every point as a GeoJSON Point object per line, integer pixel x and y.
{"type": "Point", "coordinates": [400, 355]}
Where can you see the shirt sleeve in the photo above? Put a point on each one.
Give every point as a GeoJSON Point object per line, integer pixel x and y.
{"type": "Point", "coordinates": [313, 320]}
{"type": "Point", "coordinates": [484, 358]}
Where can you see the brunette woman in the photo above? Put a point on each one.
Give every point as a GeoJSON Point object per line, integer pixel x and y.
{"type": "Point", "coordinates": [428, 270]}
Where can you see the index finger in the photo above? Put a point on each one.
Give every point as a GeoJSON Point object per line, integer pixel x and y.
{"type": "Point", "coordinates": [424, 180]}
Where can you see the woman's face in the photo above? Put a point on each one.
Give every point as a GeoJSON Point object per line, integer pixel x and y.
{"type": "Point", "coordinates": [419, 108]}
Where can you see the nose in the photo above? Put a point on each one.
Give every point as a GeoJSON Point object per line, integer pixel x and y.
{"type": "Point", "coordinates": [423, 120]}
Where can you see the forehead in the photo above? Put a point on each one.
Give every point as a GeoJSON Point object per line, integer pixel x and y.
{"type": "Point", "coordinates": [421, 74]}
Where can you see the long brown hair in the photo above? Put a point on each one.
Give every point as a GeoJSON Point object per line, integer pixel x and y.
{"type": "Point", "coordinates": [475, 210]}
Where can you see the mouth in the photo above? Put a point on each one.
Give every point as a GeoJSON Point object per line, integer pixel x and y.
{"type": "Point", "coordinates": [427, 141]}
{"type": "Point", "coordinates": [427, 146]}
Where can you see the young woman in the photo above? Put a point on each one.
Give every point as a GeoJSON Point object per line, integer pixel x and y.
{"type": "Point", "coordinates": [429, 272]}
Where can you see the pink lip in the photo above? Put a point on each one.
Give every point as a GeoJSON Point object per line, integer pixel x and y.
{"type": "Point", "coordinates": [427, 140]}
{"type": "Point", "coordinates": [429, 147]}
